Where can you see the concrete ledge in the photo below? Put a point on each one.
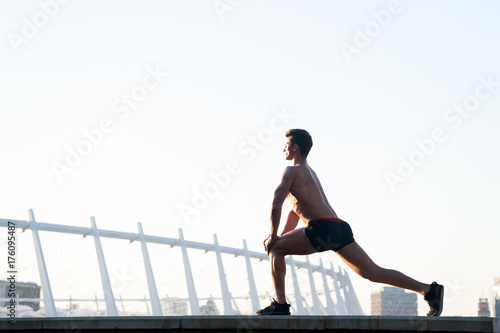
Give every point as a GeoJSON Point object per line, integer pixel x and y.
{"type": "Point", "coordinates": [253, 324]}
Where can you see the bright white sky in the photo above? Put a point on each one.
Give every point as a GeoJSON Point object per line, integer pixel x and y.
{"type": "Point", "coordinates": [228, 75]}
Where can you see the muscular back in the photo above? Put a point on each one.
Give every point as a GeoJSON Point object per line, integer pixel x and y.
{"type": "Point", "coordinates": [306, 194]}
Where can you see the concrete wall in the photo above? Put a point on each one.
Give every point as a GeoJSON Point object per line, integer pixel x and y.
{"type": "Point", "coordinates": [253, 324]}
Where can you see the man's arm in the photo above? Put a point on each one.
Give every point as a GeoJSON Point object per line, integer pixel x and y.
{"type": "Point", "coordinates": [291, 222]}
{"type": "Point", "coordinates": [279, 197]}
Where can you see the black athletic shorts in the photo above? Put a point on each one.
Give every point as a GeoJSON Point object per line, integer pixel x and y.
{"type": "Point", "coordinates": [329, 234]}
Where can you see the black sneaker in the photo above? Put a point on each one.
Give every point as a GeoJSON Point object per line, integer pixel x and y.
{"type": "Point", "coordinates": [434, 298]}
{"type": "Point", "coordinates": [275, 309]}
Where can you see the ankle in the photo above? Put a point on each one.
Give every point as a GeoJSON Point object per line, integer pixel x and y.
{"type": "Point", "coordinates": [426, 289]}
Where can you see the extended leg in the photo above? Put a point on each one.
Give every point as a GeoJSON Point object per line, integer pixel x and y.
{"type": "Point", "coordinates": [360, 262]}
{"type": "Point", "coordinates": [356, 258]}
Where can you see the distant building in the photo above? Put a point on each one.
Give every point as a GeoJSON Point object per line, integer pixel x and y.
{"type": "Point", "coordinates": [390, 301]}
{"type": "Point", "coordinates": [209, 309]}
{"type": "Point", "coordinates": [483, 308]}
{"type": "Point", "coordinates": [175, 307]}
{"type": "Point", "coordinates": [22, 290]}
{"type": "Point", "coordinates": [496, 294]}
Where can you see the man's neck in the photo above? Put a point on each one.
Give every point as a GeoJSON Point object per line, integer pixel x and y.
{"type": "Point", "coordinates": [299, 160]}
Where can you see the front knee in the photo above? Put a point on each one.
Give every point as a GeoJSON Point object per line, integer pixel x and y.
{"type": "Point", "coordinates": [276, 251]}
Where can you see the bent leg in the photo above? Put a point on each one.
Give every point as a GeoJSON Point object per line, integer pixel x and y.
{"type": "Point", "coordinates": [356, 258]}
{"type": "Point", "coordinates": [293, 242]}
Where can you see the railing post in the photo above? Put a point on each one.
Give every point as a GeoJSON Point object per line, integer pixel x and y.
{"type": "Point", "coordinates": [251, 280]}
{"type": "Point", "coordinates": [329, 302]}
{"type": "Point", "coordinates": [193, 299]}
{"type": "Point", "coordinates": [316, 302]}
{"type": "Point", "coordinates": [226, 297]}
{"type": "Point", "coordinates": [296, 288]}
{"type": "Point", "coordinates": [353, 299]}
{"type": "Point", "coordinates": [48, 299]}
{"type": "Point", "coordinates": [106, 285]}
{"type": "Point", "coordinates": [341, 306]}
{"type": "Point", "coordinates": [153, 294]}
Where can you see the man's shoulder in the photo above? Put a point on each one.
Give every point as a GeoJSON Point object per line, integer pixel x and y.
{"type": "Point", "coordinates": [293, 170]}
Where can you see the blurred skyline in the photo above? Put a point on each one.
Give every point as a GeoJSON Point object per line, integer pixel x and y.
{"type": "Point", "coordinates": [173, 114]}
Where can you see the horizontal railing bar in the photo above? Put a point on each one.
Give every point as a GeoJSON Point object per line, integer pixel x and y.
{"type": "Point", "coordinates": [84, 231]}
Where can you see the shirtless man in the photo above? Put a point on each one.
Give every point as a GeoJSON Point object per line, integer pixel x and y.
{"type": "Point", "coordinates": [324, 231]}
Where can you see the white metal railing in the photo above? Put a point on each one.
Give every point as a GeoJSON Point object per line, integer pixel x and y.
{"type": "Point", "coordinates": [346, 303]}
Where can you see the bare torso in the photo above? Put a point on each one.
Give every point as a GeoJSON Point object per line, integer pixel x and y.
{"type": "Point", "coordinates": [307, 196]}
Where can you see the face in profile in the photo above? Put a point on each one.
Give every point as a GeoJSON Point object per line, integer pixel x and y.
{"type": "Point", "coordinates": [289, 151]}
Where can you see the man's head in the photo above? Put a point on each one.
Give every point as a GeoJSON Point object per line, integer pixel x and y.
{"type": "Point", "coordinates": [300, 140]}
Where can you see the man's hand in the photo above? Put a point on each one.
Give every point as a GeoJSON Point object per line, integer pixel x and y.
{"type": "Point", "coordinates": [269, 242]}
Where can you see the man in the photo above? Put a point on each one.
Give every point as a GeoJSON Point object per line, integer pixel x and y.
{"type": "Point", "coordinates": [324, 231]}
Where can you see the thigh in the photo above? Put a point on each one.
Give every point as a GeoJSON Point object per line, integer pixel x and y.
{"type": "Point", "coordinates": [356, 258]}
{"type": "Point", "coordinates": [293, 242]}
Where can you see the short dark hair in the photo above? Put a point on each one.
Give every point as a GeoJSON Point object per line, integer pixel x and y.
{"type": "Point", "coordinates": [302, 138]}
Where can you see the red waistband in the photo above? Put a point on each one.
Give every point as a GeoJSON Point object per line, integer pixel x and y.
{"type": "Point", "coordinates": [333, 219]}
